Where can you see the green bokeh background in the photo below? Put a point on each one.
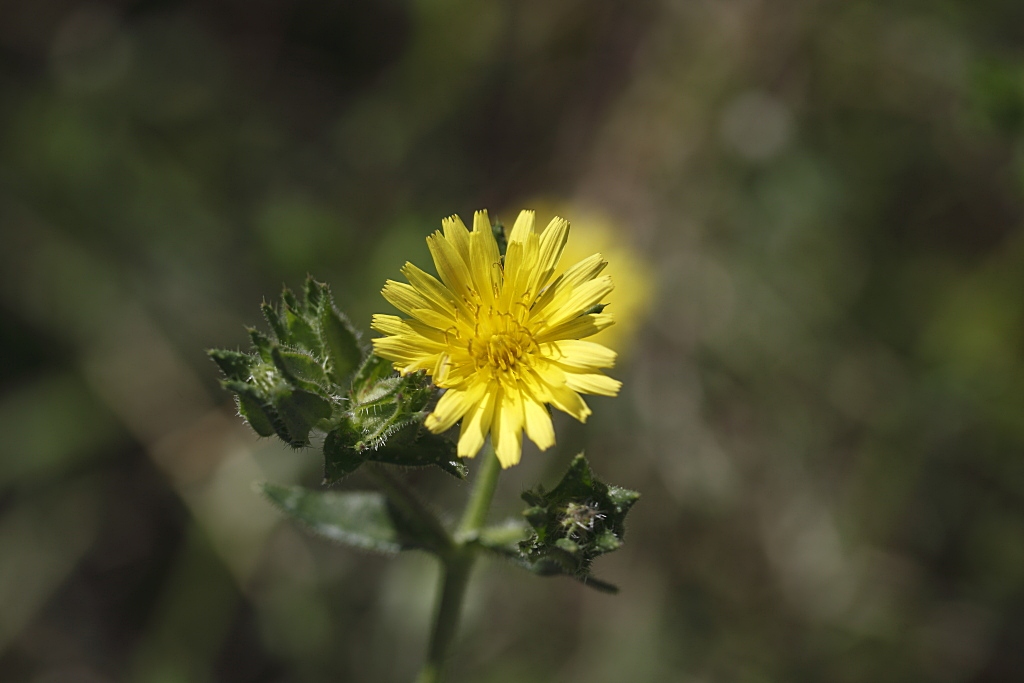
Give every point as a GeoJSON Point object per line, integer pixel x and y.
{"type": "Point", "coordinates": [824, 409]}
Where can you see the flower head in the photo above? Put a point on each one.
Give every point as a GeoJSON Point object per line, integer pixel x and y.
{"type": "Point", "coordinates": [502, 337]}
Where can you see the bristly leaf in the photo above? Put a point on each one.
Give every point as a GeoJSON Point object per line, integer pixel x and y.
{"type": "Point", "coordinates": [346, 448]}
{"type": "Point", "coordinates": [256, 415]}
{"type": "Point", "coordinates": [367, 520]}
{"type": "Point", "coordinates": [300, 369]}
{"type": "Point", "coordinates": [277, 325]}
{"type": "Point", "coordinates": [578, 520]}
{"type": "Point", "coordinates": [234, 364]}
{"type": "Point", "coordinates": [301, 411]}
{"type": "Point", "coordinates": [373, 369]}
{"type": "Point", "coordinates": [358, 519]}
{"type": "Point", "coordinates": [289, 300]}
{"type": "Point", "coordinates": [301, 332]}
{"type": "Point", "coordinates": [261, 343]}
{"type": "Point", "coordinates": [340, 342]}
{"type": "Point", "coordinates": [340, 458]}
{"type": "Point", "coordinates": [314, 292]}
{"type": "Point", "coordinates": [424, 449]}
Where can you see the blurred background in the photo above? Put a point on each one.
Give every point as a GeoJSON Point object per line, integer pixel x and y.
{"type": "Point", "coordinates": [814, 211]}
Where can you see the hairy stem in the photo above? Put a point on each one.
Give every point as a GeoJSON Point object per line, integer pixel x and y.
{"type": "Point", "coordinates": [446, 622]}
{"type": "Point", "coordinates": [457, 566]}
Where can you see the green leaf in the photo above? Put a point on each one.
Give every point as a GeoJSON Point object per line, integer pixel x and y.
{"type": "Point", "coordinates": [578, 520]}
{"type": "Point", "coordinates": [315, 292]}
{"type": "Point", "coordinates": [262, 411]}
{"type": "Point", "coordinates": [274, 320]}
{"type": "Point", "coordinates": [359, 519]}
{"type": "Point", "coordinates": [302, 334]}
{"type": "Point", "coordinates": [340, 342]}
{"type": "Point", "coordinates": [299, 368]}
{"type": "Point", "coordinates": [373, 369]}
{"type": "Point", "coordinates": [261, 342]}
{"type": "Point", "coordinates": [426, 449]}
{"type": "Point", "coordinates": [340, 458]}
{"type": "Point", "coordinates": [289, 300]}
{"type": "Point", "coordinates": [255, 414]}
{"type": "Point", "coordinates": [300, 411]}
{"type": "Point", "coordinates": [234, 364]}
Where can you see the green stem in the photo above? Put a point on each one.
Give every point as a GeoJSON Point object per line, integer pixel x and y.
{"type": "Point", "coordinates": [475, 514]}
{"type": "Point", "coordinates": [453, 590]}
{"type": "Point", "coordinates": [457, 567]}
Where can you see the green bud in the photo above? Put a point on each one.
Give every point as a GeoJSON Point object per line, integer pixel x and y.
{"type": "Point", "coordinates": [578, 520]}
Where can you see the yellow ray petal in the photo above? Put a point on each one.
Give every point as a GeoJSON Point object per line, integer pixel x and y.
{"type": "Point", "coordinates": [430, 288]}
{"type": "Point", "coordinates": [552, 242]}
{"type": "Point", "coordinates": [580, 300]}
{"type": "Point", "coordinates": [523, 227]}
{"type": "Point", "coordinates": [482, 222]}
{"type": "Point", "coordinates": [431, 318]}
{"type": "Point", "coordinates": [453, 405]}
{"type": "Point", "coordinates": [537, 421]}
{"type": "Point", "coordinates": [577, 353]}
{"type": "Point", "coordinates": [577, 328]}
{"type": "Point", "coordinates": [393, 325]}
{"type": "Point", "coordinates": [406, 365]}
{"type": "Point", "coordinates": [455, 232]}
{"type": "Point", "coordinates": [429, 363]}
{"type": "Point", "coordinates": [450, 266]}
{"type": "Point", "coordinates": [458, 373]}
{"type": "Point", "coordinates": [476, 424]}
{"type": "Point", "coordinates": [513, 263]}
{"type": "Point", "coordinates": [525, 290]}
{"type": "Point", "coordinates": [404, 348]}
{"type": "Point", "coordinates": [560, 289]}
{"type": "Point", "coordinates": [389, 324]}
{"type": "Point", "coordinates": [404, 297]}
{"type": "Point", "coordinates": [592, 383]}
{"type": "Point", "coordinates": [507, 427]}
{"type": "Point", "coordinates": [584, 270]}
{"type": "Point", "coordinates": [547, 382]}
{"type": "Point", "coordinates": [568, 401]}
{"type": "Point", "coordinates": [485, 262]}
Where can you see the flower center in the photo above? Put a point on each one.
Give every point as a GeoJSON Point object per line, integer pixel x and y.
{"type": "Point", "coordinates": [500, 343]}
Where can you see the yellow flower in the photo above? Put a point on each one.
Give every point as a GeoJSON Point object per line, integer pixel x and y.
{"type": "Point", "coordinates": [503, 339]}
